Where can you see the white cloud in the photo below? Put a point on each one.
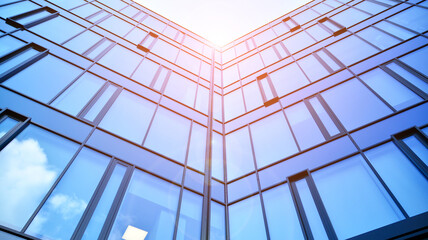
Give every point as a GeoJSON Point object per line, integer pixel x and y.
{"type": "Point", "coordinates": [67, 206]}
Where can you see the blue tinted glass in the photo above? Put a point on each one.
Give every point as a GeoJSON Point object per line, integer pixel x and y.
{"type": "Point", "coordinates": [350, 17]}
{"type": "Point", "coordinates": [414, 18]}
{"type": "Point", "coordinates": [17, 59]}
{"type": "Point", "coordinates": [181, 89]}
{"type": "Point", "coordinates": [121, 60]}
{"type": "Point", "coordinates": [349, 190]}
{"type": "Point", "coordinates": [54, 29]}
{"type": "Point", "coordinates": [165, 50]}
{"type": "Point", "coordinates": [233, 105]}
{"type": "Point", "coordinates": [313, 68]}
{"type": "Point", "coordinates": [246, 219]}
{"type": "Point", "coordinates": [100, 214]}
{"type": "Point", "coordinates": [298, 42]}
{"type": "Point", "coordinates": [33, 17]}
{"type": "Point", "coordinates": [242, 187]}
{"type": "Point", "coordinates": [202, 99]}
{"type": "Point", "coordinates": [43, 79]}
{"type": "Point", "coordinates": [230, 75]}
{"type": "Point", "coordinates": [252, 95]}
{"type": "Point", "coordinates": [36, 158]}
{"type": "Point", "coordinates": [272, 139]}
{"type": "Point", "coordinates": [129, 116]}
{"type": "Point", "coordinates": [116, 25]}
{"type": "Point", "coordinates": [378, 38]}
{"type": "Point", "coordinates": [8, 44]}
{"type": "Point", "coordinates": [85, 10]}
{"type": "Point", "coordinates": [395, 30]}
{"type": "Point", "coordinates": [83, 41]}
{"type": "Point", "coordinates": [189, 223]}
{"type": "Point", "coordinates": [354, 104]}
{"type": "Point", "coordinates": [418, 148]}
{"type": "Point", "coordinates": [238, 154]}
{"type": "Point", "coordinates": [318, 32]}
{"type": "Point", "coordinates": [324, 116]}
{"type": "Point", "coordinates": [370, 7]}
{"type": "Point", "coordinates": [417, 59]}
{"type": "Point", "coordinates": [304, 127]}
{"type": "Point", "coordinates": [314, 219]}
{"type": "Point", "coordinates": [404, 180]}
{"type": "Point", "coordinates": [68, 4]}
{"type": "Point", "coordinates": [288, 79]}
{"type": "Point", "coordinates": [62, 211]}
{"type": "Point", "coordinates": [150, 204]}
{"type": "Point", "coordinates": [17, 8]}
{"type": "Point", "coordinates": [351, 50]}
{"type": "Point", "coordinates": [281, 214]}
{"type": "Point", "coordinates": [414, 80]}
{"type": "Point", "coordinates": [6, 124]}
{"type": "Point", "coordinates": [78, 95]}
{"type": "Point", "coordinates": [169, 134]}
{"type": "Point", "coordinates": [146, 72]}
{"type": "Point", "coordinates": [197, 147]}
{"type": "Point", "coordinates": [100, 102]}
{"type": "Point", "coordinates": [218, 223]}
{"type": "Point", "coordinates": [395, 93]}
{"type": "Point", "coordinates": [217, 156]}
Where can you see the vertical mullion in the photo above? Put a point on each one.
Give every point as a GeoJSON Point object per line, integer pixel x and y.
{"type": "Point", "coordinates": [304, 223]}
{"type": "Point", "coordinates": [317, 120]}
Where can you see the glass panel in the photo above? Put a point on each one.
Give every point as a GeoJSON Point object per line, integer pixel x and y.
{"type": "Point", "coordinates": [99, 216]}
{"type": "Point", "coordinates": [304, 127]}
{"type": "Point", "coordinates": [17, 59]}
{"type": "Point", "coordinates": [238, 154]}
{"type": "Point", "coordinates": [6, 124]}
{"type": "Point", "coordinates": [129, 116]}
{"type": "Point", "coordinates": [33, 17]}
{"type": "Point", "coordinates": [233, 105]}
{"type": "Point", "coordinates": [370, 7]}
{"type": "Point", "coordinates": [313, 68]}
{"type": "Point", "coordinates": [269, 56]}
{"type": "Point", "coordinates": [189, 223]}
{"type": "Point", "coordinates": [116, 25]}
{"type": "Point", "coordinates": [378, 38]}
{"type": "Point", "coordinates": [17, 8]}
{"type": "Point", "coordinates": [217, 222]}
{"type": "Point", "coordinates": [85, 10]}
{"type": "Point", "coordinates": [121, 60]}
{"type": "Point", "coordinates": [417, 59]}
{"type": "Point", "coordinates": [324, 117]}
{"type": "Point", "coordinates": [246, 219]}
{"type": "Point", "coordinates": [8, 44]}
{"type": "Point", "coordinates": [62, 211]}
{"type": "Point", "coordinates": [54, 29]}
{"type": "Point", "coordinates": [413, 18]}
{"type": "Point", "coordinates": [404, 180]}
{"type": "Point", "coordinates": [169, 134]}
{"type": "Point", "coordinates": [318, 32]}
{"type": "Point", "coordinates": [94, 53]}
{"type": "Point", "coordinates": [266, 89]}
{"type": "Point", "coordinates": [351, 50]}
{"type": "Point", "coordinates": [181, 89]}
{"type": "Point", "coordinates": [417, 147]}
{"type": "Point", "coordinates": [311, 211]}
{"type": "Point", "coordinates": [272, 139]}
{"type": "Point", "coordinates": [78, 95]}
{"type": "Point", "coordinates": [136, 35]}
{"type": "Point", "coordinates": [217, 156]}
{"type": "Point", "coordinates": [395, 93]}
{"type": "Point", "coordinates": [288, 79]}
{"type": "Point", "coordinates": [350, 17]}
{"type": "Point", "coordinates": [197, 147]}
{"type": "Point", "coordinates": [150, 204]}
{"type": "Point", "coordinates": [298, 42]}
{"type": "Point", "coordinates": [328, 60]}
{"type": "Point", "coordinates": [354, 104]}
{"type": "Point", "coordinates": [30, 164]}
{"type": "Point", "coordinates": [414, 80]}
{"type": "Point", "coordinates": [395, 30]}
{"type": "Point", "coordinates": [242, 187]}
{"type": "Point", "coordinates": [188, 62]}
{"type": "Point", "coordinates": [83, 42]}
{"type": "Point", "coordinates": [161, 79]}
{"type": "Point", "coordinates": [44, 78]}
{"type": "Point", "coordinates": [165, 50]}
{"type": "Point", "coordinates": [146, 72]}
{"type": "Point", "coordinates": [202, 99]}
{"type": "Point", "coordinates": [100, 103]}
{"type": "Point", "coordinates": [281, 214]}
{"type": "Point", "coordinates": [250, 65]}
{"type": "Point", "coordinates": [349, 190]}
{"type": "Point", "coordinates": [230, 75]}
{"type": "Point", "coordinates": [252, 95]}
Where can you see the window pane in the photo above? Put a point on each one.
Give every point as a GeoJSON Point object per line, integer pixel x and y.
{"type": "Point", "coordinates": [351, 50]}
{"type": "Point", "coordinates": [197, 147]}
{"type": "Point", "coordinates": [36, 158]}
{"type": "Point", "coordinates": [189, 223]}
{"type": "Point", "coordinates": [418, 148]}
{"type": "Point", "coordinates": [250, 65]}
{"type": "Point", "coordinates": [217, 156]}
{"type": "Point", "coordinates": [100, 103]}
{"type": "Point", "coordinates": [121, 60]}
{"type": "Point", "coordinates": [390, 89]}
{"type": "Point", "coordinates": [238, 154]}
{"type": "Point", "coordinates": [230, 75]}
{"type": "Point", "coordinates": [169, 134]}
{"type": "Point", "coordinates": [414, 80]}
{"type": "Point", "coordinates": [413, 18]}
{"type": "Point", "coordinates": [378, 38]}
{"type": "Point", "coordinates": [116, 25]}
{"type": "Point", "coordinates": [62, 211]}
{"type": "Point", "coordinates": [288, 79]}
{"type": "Point", "coordinates": [54, 29]}
{"type": "Point", "coordinates": [17, 8]}
{"type": "Point", "coordinates": [149, 204]}
{"type": "Point", "coordinates": [217, 222]}
{"type": "Point", "coordinates": [99, 216]}
{"type": "Point", "coordinates": [404, 180]}
{"type": "Point", "coordinates": [188, 62]}
{"type": "Point", "coordinates": [129, 116]}
{"type": "Point", "coordinates": [233, 105]}
{"type": "Point", "coordinates": [313, 68]}
{"type": "Point", "coordinates": [246, 219]}
{"type": "Point", "coordinates": [83, 41]}
{"type": "Point", "coordinates": [272, 139]}
{"type": "Point", "coordinates": [298, 42]}
{"type": "Point", "coordinates": [354, 104]}
{"type": "Point", "coordinates": [181, 89]}
{"type": "Point", "coordinates": [417, 60]}
{"type": "Point", "coordinates": [304, 127]}
{"type": "Point", "coordinates": [202, 99]}
{"type": "Point", "coordinates": [78, 95]}
{"type": "Point", "coordinates": [6, 124]}
{"type": "Point", "coordinates": [43, 79]}
{"type": "Point", "coordinates": [395, 30]}
{"type": "Point", "coordinates": [17, 59]}
{"type": "Point", "coordinates": [281, 214]}
{"type": "Point", "coordinates": [252, 95]}
{"type": "Point", "coordinates": [350, 17]}
{"type": "Point", "coordinates": [349, 190]}
{"type": "Point", "coordinates": [8, 44]}
{"type": "Point", "coordinates": [318, 32]}
{"type": "Point", "coordinates": [324, 117]}
{"type": "Point", "coordinates": [165, 50]}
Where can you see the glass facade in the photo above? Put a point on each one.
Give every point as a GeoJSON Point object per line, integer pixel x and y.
{"type": "Point", "coordinates": [116, 121]}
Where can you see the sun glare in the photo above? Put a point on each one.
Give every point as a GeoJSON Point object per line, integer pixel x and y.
{"type": "Point", "coordinates": [221, 21]}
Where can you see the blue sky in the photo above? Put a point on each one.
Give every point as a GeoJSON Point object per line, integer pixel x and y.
{"type": "Point", "coordinates": [221, 21]}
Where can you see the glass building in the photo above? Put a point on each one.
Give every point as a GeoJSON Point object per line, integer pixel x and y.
{"type": "Point", "coordinates": [117, 123]}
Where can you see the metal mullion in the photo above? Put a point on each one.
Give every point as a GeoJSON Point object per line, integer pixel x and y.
{"type": "Point", "coordinates": [411, 69]}
{"type": "Point", "coordinates": [93, 47]}
{"type": "Point", "coordinates": [289, 126]}
{"type": "Point", "coordinates": [276, 51]}
{"type": "Point", "coordinates": [317, 119]}
{"type": "Point", "coordinates": [376, 94]}
{"type": "Point", "coordinates": [323, 63]}
{"type": "Point", "coordinates": [331, 114]}
{"type": "Point", "coordinates": [420, 165]}
{"type": "Point", "coordinates": [73, 37]}
{"type": "Point", "coordinates": [93, 202]}
{"type": "Point", "coordinates": [14, 132]}
{"type": "Point", "coordinates": [107, 106]}
{"type": "Point", "coordinates": [23, 65]}
{"type": "Point", "coordinates": [336, 60]}
{"type": "Point", "coordinates": [52, 188]}
{"type": "Point", "coordinates": [93, 100]}
{"type": "Point", "coordinates": [105, 51]}
{"type": "Point", "coordinates": [155, 78]}
{"type": "Point", "coordinates": [387, 33]}
{"type": "Point", "coordinates": [303, 220]}
{"type": "Point", "coordinates": [403, 27]}
{"type": "Point", "coordinates": [114, 209]}
{"type": "Point", "coordinates": [369, 43]}
{"type": "Point", "coordinates": [259, 185]}
{"type": "Point", "coordinates": [320, 207]}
